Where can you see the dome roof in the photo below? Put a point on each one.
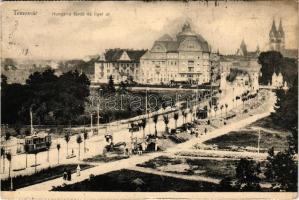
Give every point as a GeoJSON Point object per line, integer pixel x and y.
{"type": "Point", "coordinates": [186, 31]}
{"type": "Point", "coordinates": [165, 37]}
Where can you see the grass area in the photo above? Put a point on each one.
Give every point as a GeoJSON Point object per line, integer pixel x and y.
{"type": "Point", "coordinates": [267, 123]}
{"type": "Point", "coordinates": [101, 158]}
{"type": "Point", "coordinates": [130, 181]}
{"type": "Point", "coordinates": [41, 176]}
{"type": "Point", "coordinates": [213, 168]}
{"type": "Point", "coordinates": [198, 166]}
{"type": "Point", "coordinates": [249, 138]}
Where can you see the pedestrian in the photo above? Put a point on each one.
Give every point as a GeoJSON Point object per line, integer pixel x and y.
{"type": "Point", "coordinates": [64, 174]}
{"type": "Point", "coordinates": [143, 146]}
{"type": "Point", "coordinates": [78, 170]}
{"type": "Point", "coordinates": [156, 144]}
{"type": "Point", "coordinates": [69, 175]}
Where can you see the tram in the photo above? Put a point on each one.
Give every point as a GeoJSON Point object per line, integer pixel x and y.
{"type": "Point", "coordinates": [37, 142]}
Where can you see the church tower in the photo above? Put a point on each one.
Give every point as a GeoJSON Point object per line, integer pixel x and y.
{"type": "Point", "coordinates": [272, 37]}
{"type": "Point", "coordinates": [282, 36]}
{"type": "Point", "coordinates": [276, 37]}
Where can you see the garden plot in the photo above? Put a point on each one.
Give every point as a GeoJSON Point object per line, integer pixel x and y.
{"type": "Point", "coordinates": [214, 168]}
{"type": "Point", "coordinates": [247, 140]}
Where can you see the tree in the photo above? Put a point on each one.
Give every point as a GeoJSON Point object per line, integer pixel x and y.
{"type": "Point", "coordinates": [3, 81]}
{"type": "Point", "coordinates": [48, 148]}
{"type": "Point", "coordinates": [273, 61]}
{"type": "Point", "coordinates": [155, 120]}
{"type": "Point", "coordinates": [3, 156]}
{"type": "Point", "coordinates": [215, 109]}
{"type": "Point", "coordinates": [67, 139]}
{"type": "Point", "coordinates": [281, 170]}
{"type": "Point", "coordinates": [225, 185]}
{"type": "Point", "coordinates": [85, 136]}
{"type": "Point", "coordinates": [73, 92]}
{"type": "Point", "coordinates": [191, 112]}
{"type": "Point", "coordinates": [221, 107]}
{"type": "Point", "coordinates": [26, 149]}
{"type": "Point", "coordinates": [35, 158]}
{"type": "Point", "coordinates": [9, 157]}
{"type": "Point", "coordinates": [247, 174]}
{"type": "Point", "coordinates": [184, 113]}
{"type": "Point", "coordinates": [123, 88]}
{"type": "Point", "coordinates": [58, 149]}
{"type": "Point", "coordinates": [176, 117]}
{"type": "Point", "coordinates": [143, 125]}
{"type": "Point", "coordinates": [79, 141]}
{"type": "Point", "coordinates": [243, 100]}
{"type": "Point", "coordinates": [110, 86]}
{"type": "Point", "coordinates": [286, 115]}
{"type": "Point", "coordinates": [166, 121]}
{"type": "Point", "coordinates": [7, 136]}
{"type": "Point", "coordinates": [226, 109]}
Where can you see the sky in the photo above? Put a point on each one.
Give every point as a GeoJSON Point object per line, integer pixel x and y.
{"type": "Point", "coordinates": [137, 25]}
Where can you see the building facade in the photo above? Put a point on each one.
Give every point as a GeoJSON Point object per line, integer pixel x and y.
{"type": "Point", "coordinates": [184, 59]}
{"type": "Point", "coordinates": [121, 64]}
{"type": "Point", "coordinates": [241, 71]}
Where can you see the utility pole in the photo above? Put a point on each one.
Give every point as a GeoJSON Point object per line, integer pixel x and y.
{"type": "Point", "coordinates": [91, 123]}
{"type": "Point", "coordinates": [196, 101]}
{"type": "Point", "coordinates": [146, 110]}
{"type": "Point", "coordinates": [98, 118]}
{"type": "Point", "coordinates": [258, 142]}
{"type": "Point", "coordinates": [31, 121]}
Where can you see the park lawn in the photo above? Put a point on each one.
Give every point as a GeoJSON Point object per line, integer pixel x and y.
{"type": "Point", "coordinates": [41, 176]}
{"type": "Point", "coordinates": [249, 138]}
{"type": "Point", "coordinates": [195, 166]}
{"type": "Point", "coordinates": [267, 123]}
{"type": "Point", "coordinates": [130, 181]}
{"type": "Point", "coordinates": [101, 158]}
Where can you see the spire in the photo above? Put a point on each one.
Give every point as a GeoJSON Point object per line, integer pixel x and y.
{"type": "Point", "coordinates": [280, 29]}
{"type": "Point", "coordinates": [257, 51]}
{"type": "Point", "coordinates": [273, 31]}
{"type": "Point", "coordinates": [243, 48]}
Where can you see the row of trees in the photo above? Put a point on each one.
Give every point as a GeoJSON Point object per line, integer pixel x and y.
{"type": "Point", "coordinates": [52, 99]}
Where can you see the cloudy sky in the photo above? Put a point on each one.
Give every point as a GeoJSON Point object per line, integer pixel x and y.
{"type": "Point", "coordinates": [137, 24]}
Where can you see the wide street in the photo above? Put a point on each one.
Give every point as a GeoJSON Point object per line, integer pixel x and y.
{"type": "Point", "coordinates": [95, 143]}
{"type": "Point", "coordinates": [131, 162]}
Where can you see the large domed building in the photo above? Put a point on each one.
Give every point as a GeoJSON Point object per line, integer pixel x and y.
{"type": "Point", "coordinates": [184, 59]}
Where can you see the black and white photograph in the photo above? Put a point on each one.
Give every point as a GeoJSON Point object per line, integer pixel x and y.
{"type": "Point", "coordinates": [149, 99]}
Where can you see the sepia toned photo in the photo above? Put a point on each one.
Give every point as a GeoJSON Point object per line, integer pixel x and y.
{"type": "Point", "coordinates": [149, 100]}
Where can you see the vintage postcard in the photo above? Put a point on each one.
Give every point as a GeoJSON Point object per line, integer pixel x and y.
{"type": "Point", "coordinates": [149, 100]}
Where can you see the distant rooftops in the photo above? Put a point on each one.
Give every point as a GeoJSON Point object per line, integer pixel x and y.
{"type": "Point", "coordinates": [122, 55]}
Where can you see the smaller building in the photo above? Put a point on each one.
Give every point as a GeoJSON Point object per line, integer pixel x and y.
{"type": "Point", "coordinates": [241, 70]}
{"type": "Point", "coordinates": [277, 80]}
{"type": "Point", "coordinates": [121, 64]}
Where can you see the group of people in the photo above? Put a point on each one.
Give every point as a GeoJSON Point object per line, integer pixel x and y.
{"type": "Point", "coordinates": [67, 175]}
{"type": "Point", "coordinates": [139, 148]}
